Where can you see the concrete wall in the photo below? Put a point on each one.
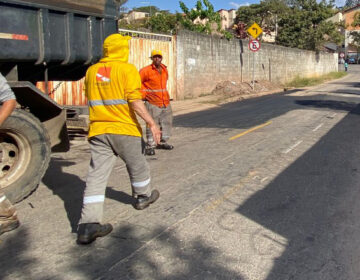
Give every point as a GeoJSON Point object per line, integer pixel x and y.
{"type": "Point", "coordinates": [203, 61]}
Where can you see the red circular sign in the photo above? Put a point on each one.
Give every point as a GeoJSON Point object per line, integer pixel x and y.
{"type": "Point", "coordinates": [254, 45]}
{"type": "Point", "coordinates": [342, 55]}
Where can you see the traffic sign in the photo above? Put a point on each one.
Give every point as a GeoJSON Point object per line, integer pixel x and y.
{"type": "Point", "coordinates": [254, 45]}
{"type": "Point", "coordinates": [254, 30]}
{"type": "Point", "coordinates": [342, 55]}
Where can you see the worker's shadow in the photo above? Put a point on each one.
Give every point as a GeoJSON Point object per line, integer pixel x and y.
{"type": "Point", "coordinates": [70, 189]}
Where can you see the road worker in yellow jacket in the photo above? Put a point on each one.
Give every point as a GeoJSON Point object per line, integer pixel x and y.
{"type": "Point", "coordinates": [112, 87]}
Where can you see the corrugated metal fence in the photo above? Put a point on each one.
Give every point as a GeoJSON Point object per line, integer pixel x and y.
{"type": "Point", "coordinates": [141, 45]}
{"type": "Point", "coordinates": [66, 93]}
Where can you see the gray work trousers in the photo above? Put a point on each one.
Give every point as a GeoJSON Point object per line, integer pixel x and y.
{"type": "Point", "coordinates": [105, 149]}
{"type": "Point", "coordinates": [164, 118]}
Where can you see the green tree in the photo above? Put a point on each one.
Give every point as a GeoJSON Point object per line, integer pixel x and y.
{"type": "Point", "coordinates": [209, 20]}
{"type": "Point", "coordinates": [151, 10]}
{"type": "Point", "coordinates": [299, 23]}
{"type": "Point", "coordinates": [253, 13]}
{"type": "Point", "coordinates": [163, 22]}
{"type": "Point", "coordinates": [355, 35]}
{"type": "Point", "coordinates": [266, 14]}
{"type": "Point", "coordinates": [351, 3]}
{"type": "Point", "coordinates": [356, 20]}
{"type": "Point", "coordinates": [305, 25]}
{"type": "Point", "coordinates": [138, 24]}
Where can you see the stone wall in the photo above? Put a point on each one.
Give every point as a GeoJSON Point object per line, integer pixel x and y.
{"type": "Point", "coordinates": [203, 61]}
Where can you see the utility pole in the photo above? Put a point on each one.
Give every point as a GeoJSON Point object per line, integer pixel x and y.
{"type": "Point", "coordinates": [276, 23]}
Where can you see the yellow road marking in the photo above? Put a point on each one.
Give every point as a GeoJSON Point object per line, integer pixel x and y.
{"type": "Point", "coordinates": [250, 130]}
{"type": "Point", "coordinates": [214, 204]}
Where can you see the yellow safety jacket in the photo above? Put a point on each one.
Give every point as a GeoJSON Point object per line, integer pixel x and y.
{"type": "Point", "coordinates": [110, 86]}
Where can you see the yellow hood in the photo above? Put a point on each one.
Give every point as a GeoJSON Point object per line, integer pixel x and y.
{"type": "Point", "coordinates": [116, 48]}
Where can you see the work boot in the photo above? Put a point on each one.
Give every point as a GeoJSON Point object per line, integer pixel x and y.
{"type": "Point", "coordinates": [8, 216]}
{"type": "Point", "coordinates": [149, 151]}
{"type": "Point", "coordinates": [144, 201]}
{"type": "Point", "coordinates": [164, 146]}
{"type": "Point", "coordinates": [87, 233]}
{"type": "Point", "coordinates": [8, 224]}
{"type": "Point", "coordinates": [7, 210]}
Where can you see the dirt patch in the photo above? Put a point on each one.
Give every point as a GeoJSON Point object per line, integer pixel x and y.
{"type": "Point", "coordinates": [228, 89]}
{"type": "Point", "coordinates": [225, 92]}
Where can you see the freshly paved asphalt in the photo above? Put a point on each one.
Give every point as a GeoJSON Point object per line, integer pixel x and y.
{"type": "Point", "coordinates": [279, 201]}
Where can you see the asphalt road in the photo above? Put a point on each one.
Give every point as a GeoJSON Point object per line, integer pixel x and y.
{"type": "Point", "coordinates": [266, 188]}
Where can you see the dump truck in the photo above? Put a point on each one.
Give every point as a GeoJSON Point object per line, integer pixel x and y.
{"type": "Point", "coordinates": [43, 40]}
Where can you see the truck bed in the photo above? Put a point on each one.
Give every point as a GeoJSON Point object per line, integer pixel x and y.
{"type": "Point", "coordinates": [63, 37]}
{"type": "Point", "coordinates": [99, 7]}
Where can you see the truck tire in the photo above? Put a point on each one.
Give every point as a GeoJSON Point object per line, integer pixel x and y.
{"type": "Point", "coordinates": [25, 155]}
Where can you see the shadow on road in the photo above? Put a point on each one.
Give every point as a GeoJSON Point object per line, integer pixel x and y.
{"type": "Point", "coordinates": [15, 259]}
{"type": "Point", "coordinates": [329, 104]}
{"type": "Point", "coordinates": [248, 113]}
{"type": "Point", "coordinates": [68, 187]}
{"type": "Point", "coordinates": [190, 259]}
{"type": "Point", "coordinates": [119, 196]}
{"type": "Point", "coordinates": [314, 205]}
{"type": "Point", "coordinates": [10, 258]}
{"type": "Point", "coordinates": [346, 84]}
{"type": "Point", "coordinates": [111, 258]}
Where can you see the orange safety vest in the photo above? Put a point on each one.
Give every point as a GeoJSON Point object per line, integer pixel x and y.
{"type": "Point", "coordinates": [153, 86]}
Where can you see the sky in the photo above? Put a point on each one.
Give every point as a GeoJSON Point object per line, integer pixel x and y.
{"type": "Point", "coordinates": [173, 5]}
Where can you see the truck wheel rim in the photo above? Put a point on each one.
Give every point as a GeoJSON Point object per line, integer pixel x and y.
{"type": "Point", "coordinates": [15, 155]}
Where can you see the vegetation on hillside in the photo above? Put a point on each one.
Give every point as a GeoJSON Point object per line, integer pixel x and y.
{"type": "Point", "coordinates": [351, 3]}
{"type": "Point", "coordinates": [355, 34]}
{"type": "Point", "coordinates": [299, 23]}
{"type": "Point", "coordinates": [163, 22]}
{"type": "Point", "coordinates": [296, 23]}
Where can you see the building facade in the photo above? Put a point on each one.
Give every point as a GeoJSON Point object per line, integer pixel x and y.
{"type": "Point", "coordinates": [134, 15]}
{"type": "Point", "coordinates": [227, 18]}
{"type": "Point", "coordinates": [347, 16]}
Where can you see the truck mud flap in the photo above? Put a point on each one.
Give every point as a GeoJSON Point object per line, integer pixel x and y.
{"type": "Point", "coordinates": [51, 114]}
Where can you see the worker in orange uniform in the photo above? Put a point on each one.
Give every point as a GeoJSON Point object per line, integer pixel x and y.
{"type": "Point", "coordinates": [112, 87]}
{"type": "Point", "coordinates": [154, 78]}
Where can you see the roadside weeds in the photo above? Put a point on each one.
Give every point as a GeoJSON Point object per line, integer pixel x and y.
{"type": "Point", "coordinates": [313, 81]}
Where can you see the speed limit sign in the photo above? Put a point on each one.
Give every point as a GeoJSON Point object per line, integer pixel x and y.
{"type": "Point", "coordinates": [254, 45]}
{"type": "Point", "coordinates": [342, 55]}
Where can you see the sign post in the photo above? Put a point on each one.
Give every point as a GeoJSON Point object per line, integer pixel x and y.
{"type": "Point", "coordinates": [254, 45]}
{"type": "Point", "coordinates": [342, 55]}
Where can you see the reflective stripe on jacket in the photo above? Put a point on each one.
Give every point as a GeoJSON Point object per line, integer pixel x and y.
{"type": "Point", "coordinates": [110, 86]}
{"type": "Point", "coordinates": [153, 86]}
